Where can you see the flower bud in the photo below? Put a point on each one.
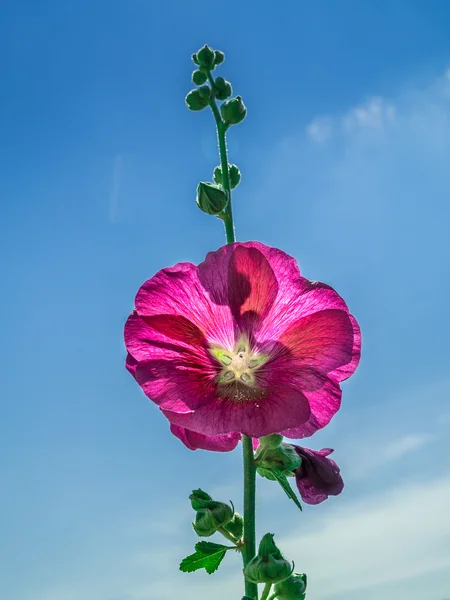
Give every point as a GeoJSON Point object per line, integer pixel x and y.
{"type": "Point", "coordinates": [269, 565]}
{"type": "Point", "coordinates": [206, 57]}
{"type": "Point", "coordinates": [199, 499]}
{"type": "Point", "coordinates": [211, 198]}
{"type": "Point", "coordinates": [198, 99]}
{"type": "Point", "coordinates": [233, 111]}
{"type": "Point", "coordinates": [222, 88]}
{"type": "Point", "coordinates": [211, 517]}
{"type": "Point", "coordinates": [199, 77]}
{"type": "Point", "coordinates": [283, 459]}
{"type": "Point", "coordinates": [236, 526]}
{"type": "Point", "coordinates": [293, 588]}
{"type": "Point", "coordinates": [219, 57]}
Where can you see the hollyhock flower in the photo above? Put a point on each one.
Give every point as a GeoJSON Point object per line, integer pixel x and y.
{"type": "Point", "coordinates": [242, 343]}
{"type": "Point", "coordinates": [318, 476]}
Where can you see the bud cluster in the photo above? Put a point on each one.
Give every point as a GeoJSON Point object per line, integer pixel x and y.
{"type": "Point", "coordinates": [211, 515]}
{"type": "Point", "coordinates": [233, 111]}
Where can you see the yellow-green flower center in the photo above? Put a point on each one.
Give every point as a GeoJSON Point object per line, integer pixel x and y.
{"type": "Point", "coordinates": [238, 366]}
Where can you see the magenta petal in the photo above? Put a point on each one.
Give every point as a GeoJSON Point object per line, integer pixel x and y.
{"type": "Point", "coordinates": [252, 286]}
{"type": "Point", "coordinates": [324, 405]}
{"type": "Point", "coordinates": [197, 441]}
{"type": "Point", "coordinates": [322, 341]}
{"type": "Point", "coordinates": [284, 407]}
{"type": "Point", "coordinates": [301, 299]}
{"type": "Point", "coordinates": [177, 328]}
{"type": "Point", "coordinates": [178, 291]}
{"type": "Point", "coordinates": [174, 384]}
{"type": "Point", "coordinates": [345, 371]}
{"type": "Point", "coordinates": [318, 476]}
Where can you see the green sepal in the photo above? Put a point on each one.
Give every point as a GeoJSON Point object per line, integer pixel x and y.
{"type": "Point", "coordinates": [284, 483]}
{"type": "Point", "coordinates": [271, 441]}
{"type": "Point", "coordinates": [195, 58]}
{"type": "Point", "coordinates": [207, 556]}
{"type": "Point", "coordinates": [282, 458]}
{"type": "Point", "coordinates": [199, 499]}
{"type": "Point", "coordinates": [234, 175]}
{"type": "Point", "coordinates": [236, 526]}
{"type": "Point", "coordinates": [217, 175]}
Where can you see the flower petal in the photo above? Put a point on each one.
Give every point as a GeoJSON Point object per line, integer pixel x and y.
{"type": "Point", "coordinates": [252, 286]}
{"type": "Point", "coordinates": [177, 291]}
{"type": "Point", "coordinates": [345, 371]}
{"type": "Point", "coordinates": [283, 407]}
{"type": "Point", "coordinates": [304, 298]}
{"type": "Point", "coordinates": [318, 476]}
{"type": "Point", "coordinates": [324, 404]}
{"type": "Point", "coordinates": [322, 341]}
{"type": "Point", "coordinates": [195, 441]}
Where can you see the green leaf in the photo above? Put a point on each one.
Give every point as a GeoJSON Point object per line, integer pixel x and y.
{"type": "Point", "coordinates": [282, 480]}
{"type": "Point", "coordinates": [207, 556]}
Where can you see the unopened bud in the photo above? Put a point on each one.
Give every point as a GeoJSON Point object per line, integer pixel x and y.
{"type": "Point", "coordinates": [211, 198]}
{"type": "Point", "coordinates": [269, 565]}
{"type": "Point", "coordinates": [219, 57]}
{"type": "Point", "coordinates": [210, 518]}
{"type": "Point", "coordinates": [233, 111]}
{"type": "Point", "coordinates": [199, 77]}
{"type": "Point", "coordinates": [206, 57]}
{"type": "Point", "coordinates": [198, 99]}
{"type": "Point", "coordinates": [293, 588]}
{"type": "Point", "coordinates": [222, 88]}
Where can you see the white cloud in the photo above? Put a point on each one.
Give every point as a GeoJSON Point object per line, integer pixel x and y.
{"type": "Point", "coordinates": [386, 539]}
{"type": "Point", "coordinates": [391, 541]}
{"type": "Point", "coordinates": [320, 129]}
{"type": "Point", "coordinates": [380, 453]}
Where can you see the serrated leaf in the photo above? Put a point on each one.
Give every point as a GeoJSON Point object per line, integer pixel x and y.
{"type": "Point", "coordinates": [282, 480]}
{"type": "Point", "coordinates": [211, 547]}
{"type": "Point", "coordinates": [207, 556]}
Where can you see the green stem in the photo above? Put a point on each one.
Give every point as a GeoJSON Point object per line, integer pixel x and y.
{"type": "Point", "coordinates": [251, 589]}
{"type": "Point", "coordinates": [249, 548]}
{"type": "Point", "coordinates": [266, 591]}
{"type": "Point", "coordinates": [221, 131]}
{"type": "Point", "coordinates": [228, 535]}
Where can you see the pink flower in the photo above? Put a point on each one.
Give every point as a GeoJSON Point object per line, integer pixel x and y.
{"type": "Point", "coordinates": [241, 343]}
{"type": "Point", "coordinates": [318, 476]}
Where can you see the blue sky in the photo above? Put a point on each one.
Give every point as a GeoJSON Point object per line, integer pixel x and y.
{"type": "Point", "coordinates": [344, 155]}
